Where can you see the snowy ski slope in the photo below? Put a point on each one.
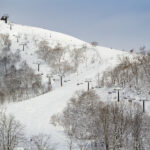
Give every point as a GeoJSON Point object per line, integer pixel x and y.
{"type": "Point", "coordinates": [35, 113]}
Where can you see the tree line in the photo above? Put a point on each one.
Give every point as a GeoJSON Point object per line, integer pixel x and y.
{"type": "Point", "coordinates": [91, 124]}
{"type": "Point", "coordinates": [55, 57]}
{"type": "Point", "coordinates": [132, 71]}
{"type": "Point", "coordinates": [12, 136]}
{"type": "Point", "coordinates": [17, 80]}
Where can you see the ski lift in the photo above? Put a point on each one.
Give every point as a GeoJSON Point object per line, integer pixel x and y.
{"type": "Point", "coordinates": [5, 18]}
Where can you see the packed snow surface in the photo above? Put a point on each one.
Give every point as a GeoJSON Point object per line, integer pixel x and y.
{"type": "Point", "coordinates": [35, 113]}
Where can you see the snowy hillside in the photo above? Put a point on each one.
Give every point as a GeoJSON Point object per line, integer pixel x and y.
{"type": "Point", "coordinates": [35, 113]}
{"type": "Point", "coordinates": [31, 37]}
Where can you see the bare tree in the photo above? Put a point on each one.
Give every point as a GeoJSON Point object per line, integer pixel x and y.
{"type": "Point", "coordinates": [94, 43]}
{"type": "Point", "coordinates": [41, 142]}
{"type": "Point", "coordinates": [5, 42]}
{"type": "Point", "coordinates": [11, 132]}
{"type": "Point", "coordinates": [92, 124]}
{"type": "Point", "coordinates": [77, 110]}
